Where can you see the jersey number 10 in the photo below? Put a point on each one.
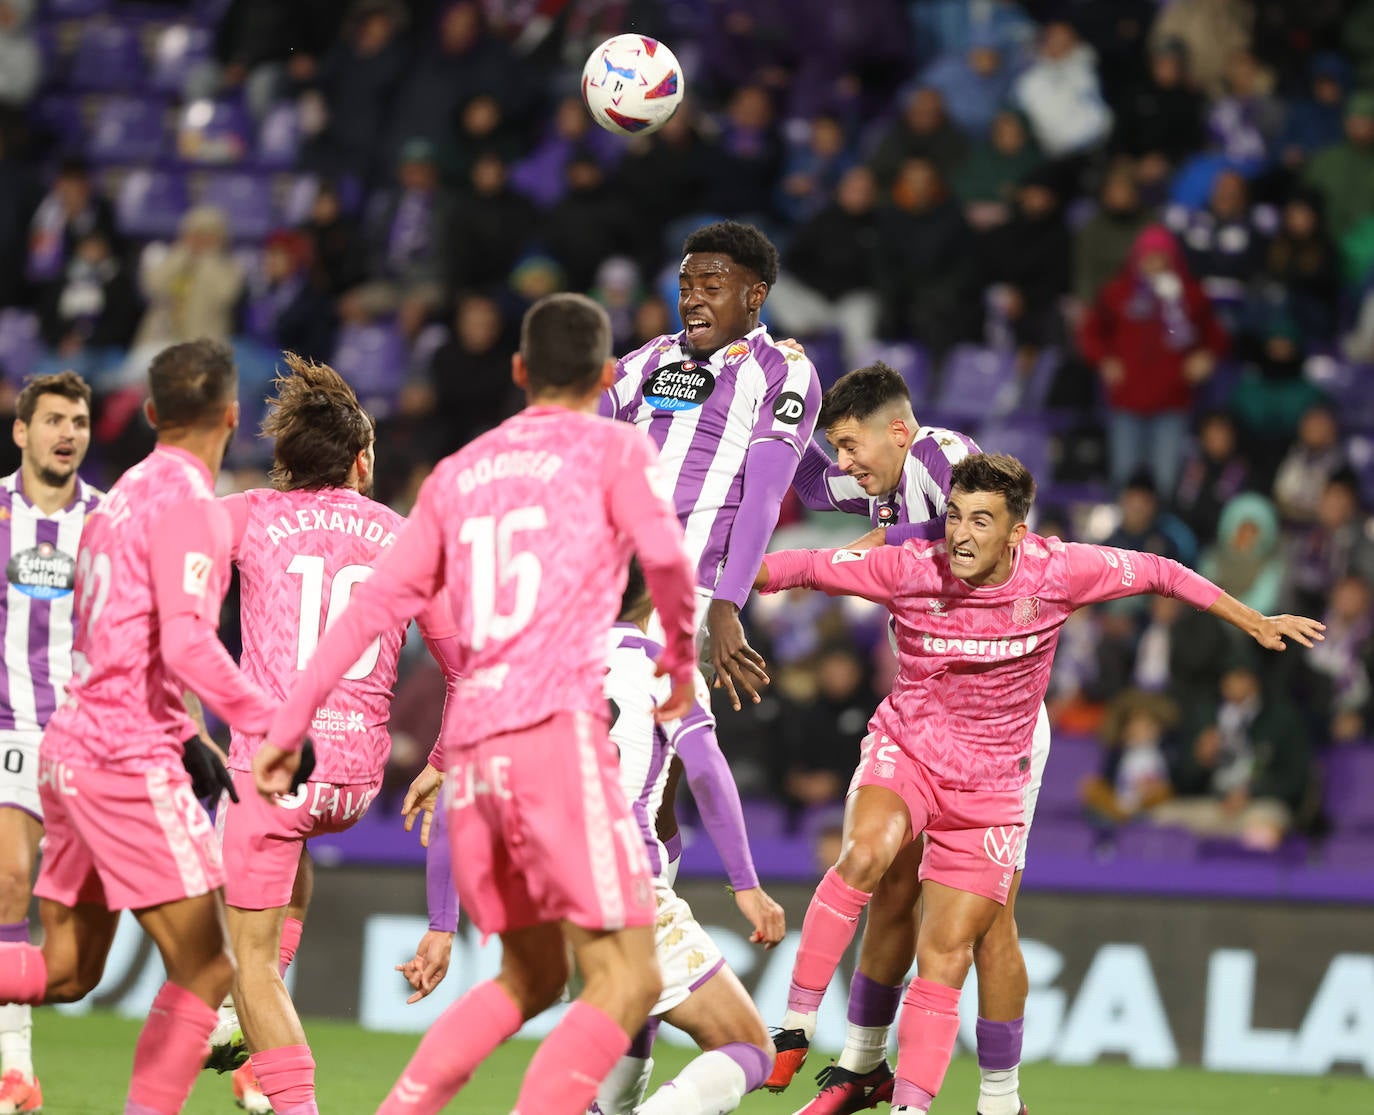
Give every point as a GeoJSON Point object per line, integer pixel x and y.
{"type": "Point", "coordinates": [310, 569]}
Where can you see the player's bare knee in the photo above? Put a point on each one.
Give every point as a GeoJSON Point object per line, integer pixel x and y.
{"type": "Point", "coordinates": [70, 983]}
{"type": "Point", "coordinates": [944, 958]}
{"type": "Point", "coordinates": [862, 864]}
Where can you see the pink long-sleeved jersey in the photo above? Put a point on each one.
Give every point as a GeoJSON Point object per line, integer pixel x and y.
{"type": "Point", "coordinates": [530, 529]}
{"type": "Point", "coordinates": [300, 556]}
{"type": "Point", "coordinates": [974, 663]}
{"type": "Point", "coordinates": [150, 577]}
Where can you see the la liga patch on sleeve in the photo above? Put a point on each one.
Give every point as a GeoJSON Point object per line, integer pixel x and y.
{"type": "Point", "coordinates": [195, 574]}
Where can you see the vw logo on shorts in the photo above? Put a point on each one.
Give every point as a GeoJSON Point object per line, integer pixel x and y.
{"type": "Point", "coordinates": [1002, 843]}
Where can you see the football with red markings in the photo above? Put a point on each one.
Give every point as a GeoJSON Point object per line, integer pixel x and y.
{"type": "Point", "coordinates": [632, 84]}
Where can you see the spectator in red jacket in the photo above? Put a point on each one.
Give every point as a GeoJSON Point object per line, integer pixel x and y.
{"type": "Point", "coordinates": [1153, 337]}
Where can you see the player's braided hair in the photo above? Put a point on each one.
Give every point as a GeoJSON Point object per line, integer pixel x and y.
{"type": "Point", "coordinates": [862, 392]}
{"type": "Point", "coordinates": [743, 243]}
{"type": "Point", "coordinates": [317, 425]}
{"type": "Point", "coordinates": [996, 472]}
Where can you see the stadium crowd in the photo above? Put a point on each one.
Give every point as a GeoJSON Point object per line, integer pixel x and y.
{"type": "Point", "coordinates": [1131, 242]}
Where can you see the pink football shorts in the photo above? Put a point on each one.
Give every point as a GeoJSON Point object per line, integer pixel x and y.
{"type": "Point", "coordinates": [541, 832]}
{"type": "Point", "coordinates": [973, 837]}
{"type": "Point", "coordinates": [262, 840]}
{"type": "Point", "coordinates": [124, 841]}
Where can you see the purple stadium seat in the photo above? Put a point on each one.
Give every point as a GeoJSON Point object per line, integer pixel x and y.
{"type": "Point", "coordinates": [1145, 841]}
{"type": "Point", "coordinates": [150, 203]}
{"type": "Point", "coordinates": [1060, 836]}
{"type": "Point", "coordinates": [59, 114]}
{"type": "Point", "coordinates": [279, 137]}
{"type": "Point", "coordinates": [128, 130]}
{"type": "Point", "coordinates": [1348, 850]}
{"type": "Point", "coordinates": [108, 57]}
{"type": "Point", "coordinates": [20, 345]}
{"type": "Point", "coordinates": [1028, 442]}
{"type": "Point", "coordinates": [214, 132]}
{"type": "Point", "coordinates": [1350, 788]}
{"type": "Point", "coordinates": [1071, 758]}
{"type": "Point", "coordinates": [373, 359]}
{"type": "Point", "coordinates": [177, 50]}
{"type": "Point", "coordinates": [246, 200]}
{"type": "Point", "coordinates": [972, 381]}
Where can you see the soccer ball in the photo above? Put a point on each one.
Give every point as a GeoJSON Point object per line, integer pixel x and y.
{"type": "Point", "coordinates": [632, 84]}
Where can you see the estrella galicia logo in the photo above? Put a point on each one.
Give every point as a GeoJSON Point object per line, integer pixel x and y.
{"type": "Point", "coordinates": [789, 408]}
{"type": "Point", "coordinates": [43, 572]}
{"type": "Point", "coordinates": [679, 386]}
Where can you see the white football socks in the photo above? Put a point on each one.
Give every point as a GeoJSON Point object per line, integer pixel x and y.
{"type": "Point", "coordinates": [713, 1084]}
{"type": "Point", "coordinates": [623, 1089]}
{"type": "Point", "coordinates": [865, 1048]}
{"type": "Point", "coordinates": [796, 1020]}
{"type": "Point", "coordinates": [16, 1038]}
{"type": "Point", "coordinates": [999, 1093]}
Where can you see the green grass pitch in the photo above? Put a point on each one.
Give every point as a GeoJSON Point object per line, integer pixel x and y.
{"type": "Point", "coordinates": [84, 1063]}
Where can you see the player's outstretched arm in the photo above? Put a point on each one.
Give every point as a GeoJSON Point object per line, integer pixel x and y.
{"type": "Point", "coordinates": [427, 968]}
{"type": "Point", "coordinates": [1098, 573]}
{"type": "Point", "coordinates": [1271, 632]}
{"type": "Point", "coordinates": [873, 574]}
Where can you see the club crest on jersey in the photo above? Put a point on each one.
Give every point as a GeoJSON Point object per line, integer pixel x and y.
{"type": "Point", "coordinates": [42, 572]}
{"type": "Point", "coordinates": [682, 385]}
{"type": "Point", "coordinates": [739, 348]}
{"type": "Point", "coordinates": [1025, 611]}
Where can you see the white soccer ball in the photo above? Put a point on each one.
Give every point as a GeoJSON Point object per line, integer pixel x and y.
{"type": "Point", "coordinates": [632, 84]}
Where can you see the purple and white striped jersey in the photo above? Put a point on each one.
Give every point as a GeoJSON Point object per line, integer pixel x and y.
{"type": "Point", "coordinates": [921, 496]}
{"type": "Point", "coordinates": [646, 747]}
{"type": "Point", "coordinates": [704, 416]}
{"type": "Point", "coordinates": [40, 571]}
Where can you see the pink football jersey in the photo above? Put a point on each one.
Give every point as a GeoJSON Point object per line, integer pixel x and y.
{"type": "Point", "coordinates": [157, 544]}
{"type": "Point", "coordinates": [300, 555]}
{"type": "Point", "coordinates": [974, 663]}
{"type": "Point", "coordinates": [529, 527]}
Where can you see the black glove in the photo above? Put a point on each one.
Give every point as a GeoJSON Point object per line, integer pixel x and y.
{"type": "Point", "coordinates": [307, 767]}
{"type": "Point", "coordinates": [208, 774]}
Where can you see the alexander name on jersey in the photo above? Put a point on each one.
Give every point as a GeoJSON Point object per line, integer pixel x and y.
{"type": "Point", "coordinates": [303, 521]}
